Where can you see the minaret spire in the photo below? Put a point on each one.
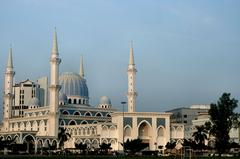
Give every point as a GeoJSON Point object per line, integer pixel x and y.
{"type": "Point", "coordinates": [10, 61]}
{"type": "Point", "coordinates": [55, 43]}
{"type": "Point", "coordinates": [81, 68]}
{"type": "Point", "coordinates": [54, 88]}
{"type": "Point", "coordinates": [131, 57]}
{"type": "Point", "coordinates": [8, 91]}
{"type": "Point", "coordinates": [132, 94]}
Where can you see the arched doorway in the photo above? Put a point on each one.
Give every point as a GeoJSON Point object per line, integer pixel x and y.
{"type": "Point", "coordinates": [144, 132]}
{"type": "Point", "coordinates": [29, 143]}
{"type": "Point", "coordinates": [40, 146]}
{"type": "Point", "coordinates": [161, 137]}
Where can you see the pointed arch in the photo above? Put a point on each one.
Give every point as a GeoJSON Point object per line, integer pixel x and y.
{"type": "Point", "coordinates": [88, 113]}
{"type": "Point", "coordinates": [65, 112]}
{"type": "Point", "coordinates": [95, 143]}
{"type": "Point", "coordinates": [98, 114]}
{"type": "Point", "coordinates": [28, 126]}
{"type": "Point", "coordinates": [105, 141]}
{"type": "Point", "coordinates": [84, 122]}
{"type": "Point", "coordinates": [144, 129]}
{"type": "Point", "coordinates": [127, 131]}
{"type": "Point", "coordinates": [22, 126]}
{"type": "Point", "coordinates": [87, 142]}
{"type": "Point", "coordinates": [35, 126]}
{"type": "Point", "coordinates": [77, 113]}
{"type": "Point", "coordinates": [161, 131]}
{"type": "Point", "coordinates": [72, 122]}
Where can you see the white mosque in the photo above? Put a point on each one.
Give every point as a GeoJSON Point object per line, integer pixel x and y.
{"type": "Point", "coordinates": [36, 110]}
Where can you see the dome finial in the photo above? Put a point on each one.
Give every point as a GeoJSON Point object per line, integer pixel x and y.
{"type": "Point", "coordinates": [81, 67]}
{"type": "Point", "coordinates": [131, 56]}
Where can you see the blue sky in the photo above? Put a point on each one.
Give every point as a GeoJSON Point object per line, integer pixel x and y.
{"type": "Point", "coordinates": [186, 52]}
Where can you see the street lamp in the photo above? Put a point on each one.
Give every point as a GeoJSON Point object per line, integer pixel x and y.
{"type": "Point", "coordinates": [123, 103]}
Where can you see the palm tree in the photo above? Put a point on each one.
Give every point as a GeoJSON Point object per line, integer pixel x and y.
{"type": "Point", "coordinates": [104, 148]}
{"type": "Point", "coordinates": [200, 135]}
{"type": "Point", "coordinates": [63, 136]}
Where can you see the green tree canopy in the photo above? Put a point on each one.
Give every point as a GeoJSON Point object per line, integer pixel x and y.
{"type": "Point", "coordinates": [104, 148]}
{"type": "Point", "coordinates": [63, 136]}
{"type": "Point", "coordinates": [134, 146]}
{"type": "Point", "coordinates": [82, 147]}
{"type": "Point", "coordinates": [171, 144]}
{"type": "Point", "coordinates": [200, 135]}
{"type": "Point", "coordinates": [222, 117]}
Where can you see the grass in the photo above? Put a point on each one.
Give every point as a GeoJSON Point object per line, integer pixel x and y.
{"type": "Point", "coordinates": [102, 157]}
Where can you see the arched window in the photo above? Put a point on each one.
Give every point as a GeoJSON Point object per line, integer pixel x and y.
{"type": "Point", "coordinates": [127, 131]}
{"type": "Point", "coordinates": [143, 129]}
{"type": "Point", "coordinates": [160, 132]}
{"type": "Point", "coordinates": [88, 114]}
{"type": "Point", "coordinates": [69, 101]}
{"type": "Point", "coordinates": [84, 122]}
{"type": "Point", "coordinates": [79, 101]}
{"type": "Point", "coordinates": [98, 114]}
{"type": "Point", "coordinates": [76, 113]}
{"type": "Point", "coordinates": [72, 122]}
{"type": "Point", "coordinates": [75, 101]}
{"type": "Point", "coordinates": [65, 112]}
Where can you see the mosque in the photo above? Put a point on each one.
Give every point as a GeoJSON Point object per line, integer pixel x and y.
{"type": "Point", "coordinates": [35, 110]}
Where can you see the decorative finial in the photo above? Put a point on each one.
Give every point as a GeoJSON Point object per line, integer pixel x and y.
{"type": "Point", "coordinates": [81, 67]}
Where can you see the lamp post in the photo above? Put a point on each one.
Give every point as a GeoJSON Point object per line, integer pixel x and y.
{"type": "Point", "coordinates": [123, 103]}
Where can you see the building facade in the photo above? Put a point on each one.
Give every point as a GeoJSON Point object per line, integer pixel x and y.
{"type": "Point", "coordinates": [34, 111]}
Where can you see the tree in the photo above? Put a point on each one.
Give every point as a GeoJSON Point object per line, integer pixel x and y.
{"type": "Point", "coordinates": [82, 147]}
{"type": "Point", "coordinates": [134, 146]}
{"type": "Point", "coordinates": [200, 136]}
{"type": "Point", "coordinates": [222, 117]}
{"type": "Point", "coordinates": [171, 145]}
{"type": "Point", "coordinates": [104, 148]}
{"type": "Point", "coordinates": [63, 136]}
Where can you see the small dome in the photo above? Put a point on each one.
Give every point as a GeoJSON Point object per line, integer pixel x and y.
{"type": "Point", "coordinates": [105, 100]}
{"type": "Point", "coordinates": [34, 102]}
{"type": "Point", "coordinates": [73, 85]}
{"type": "Point", "coordinates": [62, 97]}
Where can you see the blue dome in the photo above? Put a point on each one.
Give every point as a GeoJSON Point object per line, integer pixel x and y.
{"type": "Point", "coordinates": [73, 85]}
{"type": "Point", "coordinates": [105, 100]}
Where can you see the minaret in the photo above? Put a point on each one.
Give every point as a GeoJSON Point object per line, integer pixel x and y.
{"type": "Point", "coordinates": [132, 94]}
{"type": "Point", "coordinates": [8, 91]}
{"type": "Point", "coordinates": [54, 88]}
{"type": "Point", "coordinates": [81, 68]}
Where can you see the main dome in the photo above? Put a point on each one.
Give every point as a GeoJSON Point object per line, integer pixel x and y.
{"type": "Point", "coordinates": [73, 85]}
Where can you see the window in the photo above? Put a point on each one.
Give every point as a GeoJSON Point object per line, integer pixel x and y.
{"type": "Point", "coordinates": [185, 116]}
{"type": "Point", "coordinates": [185, 121]}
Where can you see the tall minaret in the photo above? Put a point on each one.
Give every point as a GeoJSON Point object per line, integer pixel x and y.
{"type": "Point", "coordinates": [8, 91]}
{"type": "Point", "coordinates": [54, 88]}
{"type": "Point", "coordinates": [81, 68]}
{"type": "Point", "coordinates": [132, 94]}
